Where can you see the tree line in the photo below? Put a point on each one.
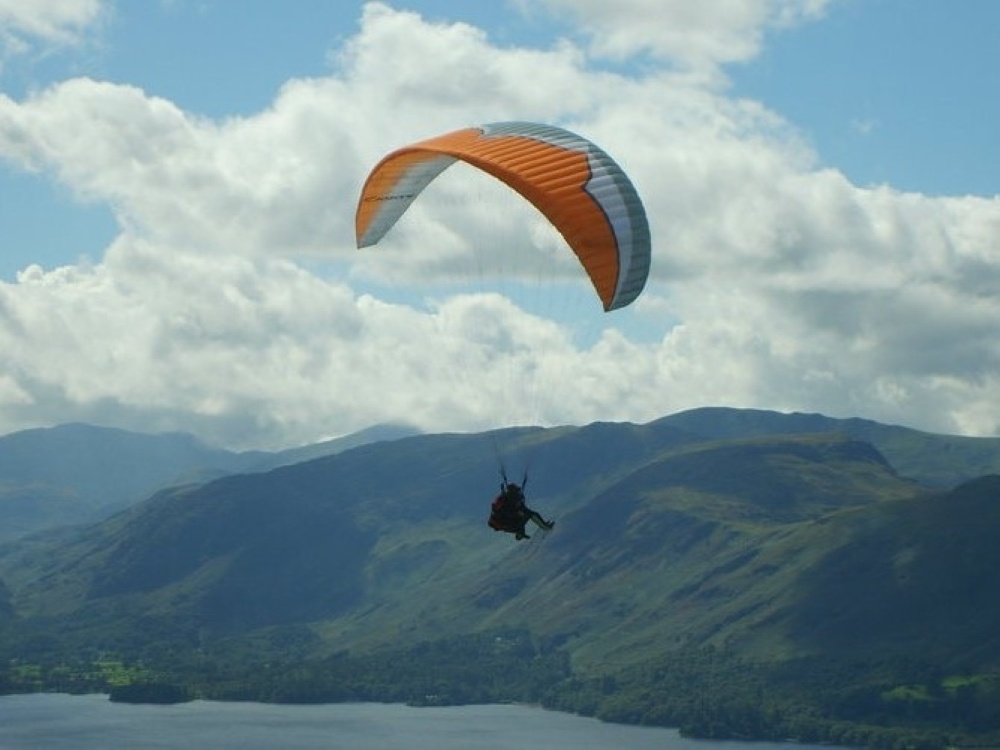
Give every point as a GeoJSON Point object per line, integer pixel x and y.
{"type": "Point", "coordinates": [705, 692]}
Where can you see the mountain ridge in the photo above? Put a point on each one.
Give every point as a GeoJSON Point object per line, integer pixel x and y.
{"type": "Point", "coordinates": [77, 473]}
{"type": "Point", "coordinates": [230, 533]}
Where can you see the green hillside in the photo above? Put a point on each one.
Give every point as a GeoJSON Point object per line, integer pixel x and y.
{"type": "Point", "coordinates": [940, 461]}
{"type": "Point", "coordinates": [77, 473]}
{"type": "Point", "coordinates": [762, 560]}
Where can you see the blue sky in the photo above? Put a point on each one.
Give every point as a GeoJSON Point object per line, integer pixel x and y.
{"type": "Point", "coordinates": [179, 177]}
{"type": "Point", "coordinates": [894, 91]}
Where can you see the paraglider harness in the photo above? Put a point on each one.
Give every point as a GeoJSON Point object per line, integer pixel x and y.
{"type": "Point", "coordinates": [508, 511]}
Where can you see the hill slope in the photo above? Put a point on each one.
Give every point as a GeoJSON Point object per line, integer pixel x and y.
{"type": "Point", "coordinates": [765, 543]}
{"type": "Point", "coordinates": [940, 461]}
{"type": "Point", "coordinates": [389, 533]}
{"type": "Point", "coordinates": [76, 473]}
{"type": "Point", "coordinates": [71, 473]}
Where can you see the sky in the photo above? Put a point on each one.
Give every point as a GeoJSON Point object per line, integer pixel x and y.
{"type": "Point", "coordinates": [178, 182]}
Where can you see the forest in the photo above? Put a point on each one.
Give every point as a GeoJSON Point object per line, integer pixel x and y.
{"type": "Point", "coordinates": [705, 692]}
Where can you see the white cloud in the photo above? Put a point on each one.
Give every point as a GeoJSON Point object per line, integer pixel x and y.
{"type": "Point", "coordinates": [234, 304]}
{"type": "Point", "coordinates": [47, 22]}
{"type": "Point", "coordinates": [699, 35]}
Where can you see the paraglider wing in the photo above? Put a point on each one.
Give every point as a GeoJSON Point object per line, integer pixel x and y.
{"type": "Point", "coordinates": [576, 185]}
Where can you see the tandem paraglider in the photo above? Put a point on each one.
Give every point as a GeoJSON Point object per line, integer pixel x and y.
{"type": "Point", "coordinates": [578, 187]}
{"type": "Point", "coordinates": [509, 512]}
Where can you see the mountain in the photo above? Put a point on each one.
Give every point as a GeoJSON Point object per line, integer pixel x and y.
{"type": "Point", "coordinates": [774, 539]}
{"type": "Point", "coordinates": [74, 473]}
{"type": "Point", "coordinates": [650, 519]}
{"type": "Point", "coordinates": [934, 460]}
{"type": "Point", "coordinates": [907, 577]}
{"type": "Point", "coordinates": [374, 434]}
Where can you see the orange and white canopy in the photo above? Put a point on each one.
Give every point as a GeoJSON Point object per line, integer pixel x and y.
{"type": "Point", "coordinates": [575, 184]}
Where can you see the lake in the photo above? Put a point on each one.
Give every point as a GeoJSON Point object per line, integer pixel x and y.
{"type": "Point", "coordinates": [92, 721]}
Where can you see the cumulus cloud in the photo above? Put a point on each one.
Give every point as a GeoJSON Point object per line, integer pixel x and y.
{"type": "Point", "coordinates": [234, 304]}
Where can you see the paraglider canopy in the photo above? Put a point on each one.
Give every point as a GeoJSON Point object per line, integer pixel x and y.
{"type": "Point", "coordinates": [576, 185]}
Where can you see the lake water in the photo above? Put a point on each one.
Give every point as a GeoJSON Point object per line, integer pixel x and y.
{"type": "Point", "coordinates": [89, 722]}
